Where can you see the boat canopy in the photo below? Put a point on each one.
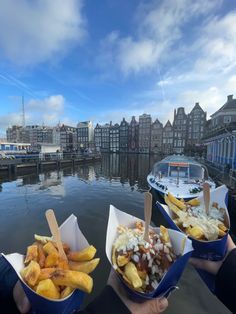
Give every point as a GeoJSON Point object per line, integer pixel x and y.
{"type": "Point", "coordinates": [181, 167]}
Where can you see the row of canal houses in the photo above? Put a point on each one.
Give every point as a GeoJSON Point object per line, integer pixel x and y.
{"type": "Point", "coordinates": [145, 136]}
{"type": "Point", "coordinates": [187, 133]}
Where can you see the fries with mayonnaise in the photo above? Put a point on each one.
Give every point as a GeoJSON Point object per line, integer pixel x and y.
{"type": "Point", "coordinates": [192, 218]}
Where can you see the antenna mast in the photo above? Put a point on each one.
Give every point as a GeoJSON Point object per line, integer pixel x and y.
{"type": "Point", "coordinates": [23, 111]}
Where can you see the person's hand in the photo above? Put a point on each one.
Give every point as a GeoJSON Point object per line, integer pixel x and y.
{"type": "Point", "coordinates": [154, 306]}
{"type": "Point", "coordinates": [22, 302]}
{"type": "Point", "coordinates": [210, 266]}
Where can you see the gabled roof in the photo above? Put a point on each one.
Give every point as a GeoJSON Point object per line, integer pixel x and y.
{"type": "Point", "coordinates": [196, 106]}
{"type": "Point", "coordinates": [157, 122]}
{"type": "Point", "coordinates": [168, 124]}
{"type": "Point", "coordinates": [229, 105]}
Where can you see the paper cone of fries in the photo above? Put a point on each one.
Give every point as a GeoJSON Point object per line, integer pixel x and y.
{"type": "Point", "coordinates": [204, 248]}
{"type": "Point", "coordinates": [71, 234]}
{"type": "Point", "coordinates": [182, 247]}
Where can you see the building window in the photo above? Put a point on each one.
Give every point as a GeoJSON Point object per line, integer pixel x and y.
{"type": "Point", "coordinates": [227, 119]}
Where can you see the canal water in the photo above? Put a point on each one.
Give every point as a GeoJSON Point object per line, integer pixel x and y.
{"type": "Point", "coordinates": [87, 191]}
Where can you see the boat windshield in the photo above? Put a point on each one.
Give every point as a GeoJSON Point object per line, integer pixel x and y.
{"type": "Point", "coordinates": [183, 170]}
{"type": "Point", "coordinates": [197, 172]}
{"type": "Point", "coordinates": [160, 169]}
{"type": "Point", "coordinates": [176, 171]}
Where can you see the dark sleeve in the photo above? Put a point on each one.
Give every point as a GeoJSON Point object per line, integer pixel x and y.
{"type": "Point", "coordinates": [106, 303]}
{"type": "Point", "coordinates": [226, 282]}
{"type": "Point", "coordinates": [8, 279]}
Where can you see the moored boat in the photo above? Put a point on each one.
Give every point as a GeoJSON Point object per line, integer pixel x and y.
{"type": "Point", "coordinates": [180, 175]}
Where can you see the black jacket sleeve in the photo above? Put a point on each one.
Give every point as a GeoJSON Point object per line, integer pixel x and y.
{"type": "Point", "coordinates": [106, 303]}
{"type": "Point", "coordinates": [226, 282]}
{"type": "Point", "coordinates": [8, 279]}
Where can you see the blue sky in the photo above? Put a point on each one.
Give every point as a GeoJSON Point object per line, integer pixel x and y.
{"type": "Point", "coordinates": [103, 60]}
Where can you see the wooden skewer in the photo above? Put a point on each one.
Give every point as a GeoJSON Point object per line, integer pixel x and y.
{"type": "Point", "coordinates": [147, 214]}
{"type": "Point", "coordinates": [206, 196]}
{"type": "Point", "coordinates": [53, 226]}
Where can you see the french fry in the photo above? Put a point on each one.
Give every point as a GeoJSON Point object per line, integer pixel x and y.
{"type": "Point", "coordinates": [222, 227]}
{"type": "Point", "coordinates": [41, 255]}
{"type": "Point", "coordinates": [63, 264]}
{"type": "Point", "coordinates": [194, 202]}
{"type": "Point", "coordinates": [47, 288]}
{"type": "Point", "coordinates": [132, 274]}
{"type": "Point", "coordinates": [196, 232]}
{"type": "Point", "coordinates": [73, 279]}
{"type": "Point", "coordinates": [49, 248]}
{"type": "Point", "coordinates": [52, 259]}
{"type": "Point", "coordinates": [42, 239]}
{"type": "Point", "coordinates": [176, 202]}
{"type": "Point", "coordinates": [46, 273]}
{"type": "Point", "coordinates": [84, 255]}
{"type": "Point", "coordinates": [221, 233]}
{"type": "Point", "coordinates": [66, 291]}
{"type": "Point", "coordinates": [164, 234]}
{"type": "Point", "coordinates": [31, 273]}
{"type": "Point", "coordinates": [122, 260]}
{"type": "Point", "coordinates": [32, 254]}
{"type": "Point", "coordinates": [85, 267]}
{"type": "Point", "coordinates": [65, 246]}
{"type": "Point", "coordinates": [173, 207]}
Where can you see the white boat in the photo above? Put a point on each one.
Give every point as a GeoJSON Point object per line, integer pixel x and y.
{"type": "Point", "coordinates": [180, 175]}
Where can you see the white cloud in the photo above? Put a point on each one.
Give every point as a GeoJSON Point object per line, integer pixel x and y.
{"type": "Point", "coordinates": [36, 31]}
{"type": "Point", "coordinates": [54, 104]}
{"type": "Point", "coordinates": [48, 111]}
{"type": "Point", "coordinates": [217, 45]}
{"type": "Point", "coordinates": [159, 26]}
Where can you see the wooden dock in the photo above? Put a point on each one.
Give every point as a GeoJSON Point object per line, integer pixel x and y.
{"type": "Point", "coordinates": [12, 166]}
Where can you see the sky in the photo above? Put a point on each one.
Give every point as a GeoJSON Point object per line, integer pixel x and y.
{"type": "Point", "coordinates": [78, 60]}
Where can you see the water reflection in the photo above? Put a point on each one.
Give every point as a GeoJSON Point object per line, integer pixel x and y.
{"type": "Point", "coordinates": [126, 169]}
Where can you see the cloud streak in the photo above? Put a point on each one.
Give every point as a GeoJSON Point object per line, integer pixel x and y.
{"type": "Point", "coordinates": [33, 32]}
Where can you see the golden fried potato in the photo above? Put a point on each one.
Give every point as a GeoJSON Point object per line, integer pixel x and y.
{"type": "Point", "coordinates": [46, 273]}
{"type": "Point", "coordinates": [221, 233]}
{"type": "Point", "coordinates": [222, 227]}
{"type": "Point", "coordinates": [31, 273]}
{"type": "Point", "coordinates": [41, 255]}
{"type": "Point", "coordinates": [42, 239]}
{"type": "Point", "coordinates": [52, 260]}
{"type": "Point", "coordinates": [176, 202]}
{"type": "Point", "coordinates": [122, 260]}
{"type": "Point", "coordinates": [132, 274]}
{"type": "Point", "coordinates": [164, 234]}
{"type": "Point", "coordinates": [196, 232]}
{"type": "Point", "coordinates": [65, 246]}
{"type": "Point", "coordinates": [73, 279]}
{"type": "Point", "coordinates": [85, 267]}
{"type": "Point", "coordinates": [84, 255]}
{"type": "Point", "coordinates": [49, 248]}
{"type": "Point", "coordinates": [63, 264]}
{"type": "Point", "coordinates": [171, 206]}
{"type": "Point", "coordinates": [66, 291]}
{"type": "Point", "coordinates": [32, 254]}
{"type": "Point", "coordinates": [47, 288]}
{"type": "Point", "coordinates": [194, 202]}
